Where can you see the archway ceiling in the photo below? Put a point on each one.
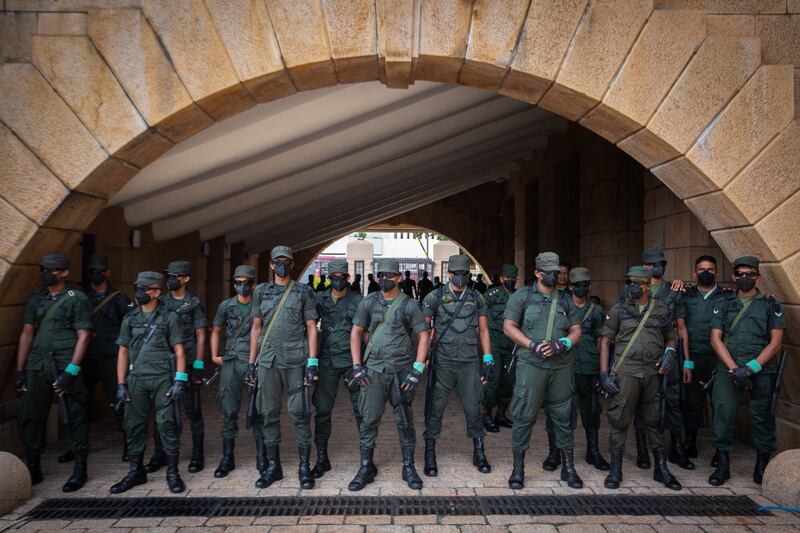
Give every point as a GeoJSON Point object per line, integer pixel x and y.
{"type": "Point", "coordinates": [305, 169]}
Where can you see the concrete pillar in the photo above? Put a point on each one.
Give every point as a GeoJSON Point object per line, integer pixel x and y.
{"type": "Point", "coordinates": [360, 251]}
{"type": "Point", "coordinates": [442, 250]}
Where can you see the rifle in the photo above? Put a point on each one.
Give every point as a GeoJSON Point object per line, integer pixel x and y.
{"type": "Point", "coordinates": [63, 399]}
{"type": "Point", "coordinates": [773, 402]}
{"type": "Point", "coordinates": [397, 399]}
{"type": "Point", "coordinates": [176, 409]}
{"type": "Point", "coordinates": [662, 403]}
{"type": "Point", "coordinates": [708, 385]}
{"type": "Point", "coordinates": [513, 358]}
{"type": "Point", "coordinates": [306, 392]}
{"type": "Point", "coordinates": [679, 363]}
{"type": "Point", "coordinates": [251, 407]}
{"type": "Point", "coordinates": [208, 381]}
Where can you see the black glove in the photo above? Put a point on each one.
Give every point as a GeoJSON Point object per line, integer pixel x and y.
{"type": "Point", "coordinates": [667, 361]}
{"type": "Point", "coordinates": [311, 375]}
{"type": "Point", "coordinates": [538, 348]}
{"type": "Point", "coordinates": [411, 380]}
{"type": "Point", "coordinates": [122, 393]}
{"type": "Point", "coordinates": [251, 376]}
{"type": "Point", "coordinates": [608, 384]}
{"type": "Point", "coordinates": [488, 371]}
{"type": "Point", "coordinates": [21, 382]}
{"type": "Point", "coordinates": [196, 376]}
{"type": "Point", "coordinates": [741, 377]}
{"type": "Point", "coordinates": [64, 381]}
{"type": "Point", "coordinates": [360, 378]}
{"type": "Point", "coordinates": [558, 346]}
{"type": "Point", "coordinates": [176, 391]}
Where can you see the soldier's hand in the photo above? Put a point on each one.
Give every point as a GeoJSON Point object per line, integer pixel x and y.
{"type": "Point", "coordinates": [667, 361]}
{"type": "Point", "coordinates": [217, 360]}
{"type": "Point", "coordinates": [21, 382]}
{"type": "Point", "coordinates": [741, 377]}
{"type": "Point", "coordinates": [488, 369]}
{"type": "Point", "coordinates": [122, 393]}
{"type": "Point", "coordinates": [196, 376]}
{"type": "Point", "coordinates": [542, 349]}
{"type": "Point", "coordinates": [63, 383]}
{"type": "Point", "coordinates": [687, 375]}
{"type": "Point", "coordinates": [678, 285]}
{"type": "Point", "coordinates": [311, 375]}
{"type": "Point", "coordinates": [608, 384]}
{"type": "Point", "coordinates": [558, 346]}
{"type": "Point", "coordinates": [251, 376]}
{"type": "Point", "coordinates": [360, 376]}
{"type": "Point", "coordinates": [411, 380]}
{"type": "Point", "coordinates": [176, 391]}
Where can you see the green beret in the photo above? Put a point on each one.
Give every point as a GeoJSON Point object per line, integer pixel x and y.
{"type": "Point", "coordinates": [456, 263]}
{"type": "Point", "coordinates": [245, 271]}
{"type": "Point", "coordinates": [147, 278]}
{"type": "Point", "coordinates": [547, 262]}
{"type": "Point", "coordinates": [388, 265]}
{"type": "Point", "coordinates": [639, 272]}
{"type": "Point", "coordinates": [509, 271]}
{"type": "Point", "coordinates": [579, 274]}
{"type": "Point", "coordinates": [338, 265]}
{"type": "Point", "coordinates": [179, 267]}
{"type": "Point", "coordinates": [281, 251]}
{"type": "Point", "coordinates": [55, 261]}
{"type": "Point", "coordinates": [98, 262]}
{"type": "Point", "coordinates": [748, 260]}
{"type": "Point", "coordinates": [653, 256]}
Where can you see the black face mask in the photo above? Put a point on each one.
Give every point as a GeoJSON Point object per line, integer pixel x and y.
{"type": "Point", "coordinates": [636, 291]}
{"type": "Point", "coordinates": [706, 278]}
{"type": "Point", "coordinates": [282, 268]}
{"type": "Point", "coordinates": [339, 284]}
{"type": "Point", "coordinates": [745, 284]}
{"type": "Point", "coordinates": [509, 284]}
{"type": "Point", "coordinates": [387, 284]}
{"type": "Point", "coordinates": [658, 271]}
{"type": "Point", "coordinates": [580, 290]}
{"type": "Point", "coordinates": [459, 280]}
{"type": "Point", "coordinates": [142, 298]}
{"type": "Point", "coordinates": [243, 288]}
{"type": "Point", "coordinates": [549, 279]}
{"type": "Point", "coordinates": [49, 279]}
{"type": "Point", "coordinates": [173, 282]}
{"type": "Point", "coordinates": [96, 278]}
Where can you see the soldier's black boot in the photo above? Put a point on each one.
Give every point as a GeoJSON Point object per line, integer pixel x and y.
{"type": "Point", "coordinates": [273, 471]}
{"type": "Point", "coordinates": [715, 459]}
{"type": "Point", "coordinates": [501, 419]}
{"type": "Point", "coordinates": [323, 462]}
{"type": "Point", "coordinates": [722, 472]}
{"type": "Point", "coordinates": [198, 461]}
{"type": "Point", "coordinates": [593, 456]}
{"type": "Point", "coordinates": [614, 477]}
{"type": "Point", "coordinates": [34, 464]}
{"type": "Point", "coordinates": [261, 455]}
{"type": "Point", "coordinates": [553, 459]}
{"type": "Point", "coordinates": [159, 458]}
{"type": "Point", "coordinates": [517, 478]}
{"type": "Point", "coordinates": [136, 475]}
{"type": "Point", "coordinates": [78, 477]}
{"type": "Point", "coordinates": [228, 462]}
{"type": "Point", "coordinates": [66, 457]}
{"type": "Point", "coordinates": [174, 481]}
{"type": "Point", "coordinates": [410, 475]}
{"type": "Point", "coordinates": [661, 473]}
{"type": "Point", "coordinates": [366, 471]}
{"type": "Point", "coordinates": [568, 472]}
{"type": "Point", "coordinates": [304, 469]}
{"type": "Point", "coordinates": [690, 443]}
{"type": "Point", "coordinates": [431, 468]}
{"type": "Point", "coordinates": [488, 422]}
{"type": "Point", "coordinates": [479, 456]}
{"type": "Point", "coordinates": [642, 455]}
{"type": "Point", "coordinates": [677, 454]}
{"type": "Point", "coordinates": [762, 458]}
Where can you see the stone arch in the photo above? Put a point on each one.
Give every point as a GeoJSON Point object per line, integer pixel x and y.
{"type": "Point", "coordinates": [94, 91]}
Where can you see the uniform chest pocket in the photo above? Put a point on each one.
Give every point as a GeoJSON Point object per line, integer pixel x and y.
{"type": "Point", "coordinates": [532, 315]}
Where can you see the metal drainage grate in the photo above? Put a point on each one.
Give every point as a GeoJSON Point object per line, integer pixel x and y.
{"type": "Point", "coordinates": [572, 505]}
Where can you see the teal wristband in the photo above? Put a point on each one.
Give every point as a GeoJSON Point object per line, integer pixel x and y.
{"type": "Point", "coordinates": [566, 341]}
{"type": "Point", "coordinates": [419, 367]}
{"type": "Point", "coordinates": [72, 369]}
{"type": "Point", "coordinates": [487, 358]}
{"type": "Point", "coordinates": [181, 376]}
{"type": "Point", "coordinates": [198, 364]}
{"type": "Point", "coordinates": [752, 363]}
{"type": "Point", "coordinates": [312, 362]}
{"type": "Point", "coordinates": [688, 364]}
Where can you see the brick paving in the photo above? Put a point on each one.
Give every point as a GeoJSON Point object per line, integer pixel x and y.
{"type": "Point", "coordinates": [457, 477]}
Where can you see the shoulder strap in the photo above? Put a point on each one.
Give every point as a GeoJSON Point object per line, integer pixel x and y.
{"type": "Point", "coordinates": [551, 317]}
{"type": "Point", "coordinates": [244, 322]}
{"type": "Point", "coordinates": [639, 328]}
{"type": "Point", "coordinates": [588, 313]}
{"type": "Point", "coordinates": [104, 302]}
{"type": "Point", "coordinates": [388, 316]}
{"type": "Point", "coordinates": [739, 316]}
{"type": "Point", "coordinates": [455, 314]}
{"type": "Point", "coordinates": [275, 313]}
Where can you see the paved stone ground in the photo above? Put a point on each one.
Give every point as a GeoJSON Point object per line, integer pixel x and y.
{"type": "Point", "coordinates": [456, 477]}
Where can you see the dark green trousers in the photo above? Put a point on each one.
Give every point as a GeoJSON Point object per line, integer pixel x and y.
{"type": "Point", "coordinates": [229, 399]}
{"type": "Point", "coordinates": [726, 402]}
{"type": "Point", "coordinates": [497, 393]}
{"type": "Point", "coordinates": [35, 407]}
{"type": "Point", "coordinates": [149, 394]}
{"type": "Point", "coordinates": [272, 384]}
{"type": "Point", "coordinates": [694, 395]}
{"type": "Point", "coordinates": [324, 398]}
{"type": "Point", "coordinates": [372, 403]}
{"type": "Point", "coordinates": [674, 408]}
{"type": "Point", "coordinates": [536, 387]}
{"type": "Point", "coordinates": [587, 400]}
{"type": "Point", "coordinates": [465, 378]}
{"type": "Point", "coordinates": [636, 396]}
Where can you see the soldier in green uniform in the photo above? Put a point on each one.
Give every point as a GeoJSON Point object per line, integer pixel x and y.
{"type": "Point", "coordinates": [562, 281]}
{"type": "Point", "coordinates": [389, 320]}
{"type": "Point", "coordinates": [641, 329]}
{"type": "Point", "coordinates": [458, 317]}
{"type": "Point", "coordinates": [150, 381]}
{"type": "Point", "coordinates": [54, 338]}
{"type": "Point", "coordinates": [192, 318]}
{"type": "Point", "coordinates": [336, 307]}
{"type": "Point", "coordinates": [699, 303]}
{"type": "Point", "coordinates": [586, 365]}
{"type": "Point", "coordinates": [234, 316]}
{"type": "Point", "coordinates": [544, 324]}
{"type": "Point", "coordinates": [498, 391]}
{"type": "Point", "coordinates": [283, 359]}
{"type": "Point", "coordinates": [746, 334]}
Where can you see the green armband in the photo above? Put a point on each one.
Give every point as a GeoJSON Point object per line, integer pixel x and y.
{"type": "Point", "coordinates": [688, 364]}
{"type": "Point", "coordinates": [487, 358]}
{"type": "Point", "coordinates": [312, 362]}
{"type": "Point", "coordinates": [181, 376]}
{"type": "Point", "coordinates": [72, 369]}
{"type": "Point", "coordinates": [419, 367]}
{"type": "Point", "coordinates": [755, 365]}
{"type": "Point", "coordinates": [198, 364]}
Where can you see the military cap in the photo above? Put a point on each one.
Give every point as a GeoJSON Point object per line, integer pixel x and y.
{"type": "Point", "coordinates": [388, 265]}
{"type": "Point", "coordinates": [245, 271]}
{"type": "Point", "coordinates": [55, 261]}
{"type": "Point", "coordinates": [509, 270]}
{"type": "Point", "coordinates": [653, 256]}
{"type": "Point", "coordinates": [547, 261]}
{"type": "Point", "coordinates": [281, 251]}
{"type": "Point", "coordinates": [639, 272]}
{"type": "Point", "coordinates": [98, 261]}
{"type": "Point", "coordinates": [147, 278]}
{"type": "Point", "coordinates": [747, 260]}
{"type": "Point", "coordinates": [338, 265]}
{"type": "Point", "coordinates": [179, 267]}
{"type": "Point", "coordinates": [457, 263]}
{"type": "Point", "coordinates": [579, 274]}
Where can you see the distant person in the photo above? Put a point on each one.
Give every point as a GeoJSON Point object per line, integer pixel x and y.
{"type": "Point", "coordinates": [373, 285]}
{"type": "Point", "coordinates": [408, 285]}
{"type": "Point", "coordinates": [424, 286]}
{"type": "Point", "coordinates": [436, 282]}
{"type": "Point", "coordinates": [470, 281]}
{"type": "Point", "coordinates": [480, 286]}
{"type": "Point", "coordinates": [495, 281]}
{"type": "Point", "coordinates": [321, 285]}
{"type": "Point", "coordinates": [562, 281]}
{"type": "Point", "coordinates": [356, 286]}
{"type": "Point", "coordinates": [311, 280]}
